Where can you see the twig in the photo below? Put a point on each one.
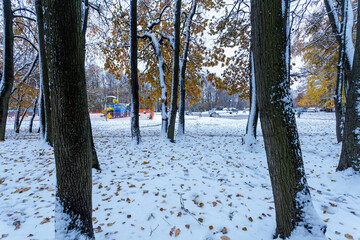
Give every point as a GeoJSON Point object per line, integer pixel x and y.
{"type": "Point", "coordinates": [187, 210]}
{"type": "Point", "coordinates": [166, 221]}
{"type": "Point", "coordinates": [151, 231]}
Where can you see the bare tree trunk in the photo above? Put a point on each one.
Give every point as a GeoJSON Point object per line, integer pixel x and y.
{"type": "Point", "coordinates": [17, 120]}
{"type": "Point", "coordinates": [45, 108]}
{"type": "Point", "coordinates": [250, 136]}
{"type": "Point", "coordinates": [176, 70]}
{"type": "Point", "coordinates": [72, 144]}
{"type": "Point", "coordinates": [181, 129]}
{"type": "Point", "coordinates": [94, 157]}
{"type": "Point", "coordinates": [33, 116]}
{"type": "Point", "coordinates": [7, 80]}
{"type": "Point", "coordinates": [350, 152]}
{"type": "Point", "coordinates": [338, 99]}
{"type": "Point", "coordinates": [271, 46]}
{"type": "Point", "coordinates": [135, 127]}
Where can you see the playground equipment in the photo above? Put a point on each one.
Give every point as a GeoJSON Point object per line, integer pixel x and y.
{"type": "Point", "coordinates": [114, 109]}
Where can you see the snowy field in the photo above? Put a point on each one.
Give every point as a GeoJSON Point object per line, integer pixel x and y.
{"type": "Point", "coordinates": [205, 187]}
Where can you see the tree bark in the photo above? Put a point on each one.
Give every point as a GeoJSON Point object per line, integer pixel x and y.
{"type": "Point", "coordinates": [271, 42]}
{"type": "Point", "coordinates": [33, 116]}
{"type": "Point", "coordinates": [17, 120]}
{"type": "Point", "coordinates": [350, 152]}
{"type": "Point", "coordinates": [250, 136]}
{"type": "Point", "coordinates": [338, 96]}
{"type": "Point", "coordinates": [135, 126]}
{"type": "Point", "coordinates": [181, 129]}
{"type": "Point", "coordinates": [72, 144]}
{"type": "Point", "coordinates": [7, 80]}
{"type": "Point", "coordinates": [45, 109]}
{"type": "Point", "coordinates": [176, 70]}
{"type": "Point", "coordinates": [94, 157]}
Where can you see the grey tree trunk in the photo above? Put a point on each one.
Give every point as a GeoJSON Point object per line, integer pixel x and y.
{"type": "Point", "coordinates": [271, 42]}
{"type": "Point", "coordinates": [176, 70]}
{"type": "Point", "coordinates": [135, 127]}
{"type": "Point", "coordinates": [181, 128]}
{"type": "Point", "coordinates": [338, 97]}
{"type": "Point", "coordinates": [65, 57]}
{"type": "Point", "coordinates": [350, 152]}
{"type": "Point", "coordinates": [45, 109]}
{"type": "Point", "coordinates": [17, 120]}
{"type": "Point", "coordinates": [7, 80]}
{"type": "Point", "coordinates": [42, 127]}
{"type": "Point", "coordinates": [94, 157]}
{"type": "Point", "coordinates": [250, 136]}
{"type": "Point", "coordinates": [344, 38]}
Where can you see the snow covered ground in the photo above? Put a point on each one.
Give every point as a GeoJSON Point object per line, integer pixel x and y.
{"type": "Point", "coordinates": [205, 187]}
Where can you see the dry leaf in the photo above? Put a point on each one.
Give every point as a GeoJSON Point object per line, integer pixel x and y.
{"type": "Point", "coordinates": [177, 232]}
{"type": "Point", "coordinates": [225, 238]}
{"type": "Point", "coordinates": [348, 236]}
{"type": "Point", "coordinates": [46, 220]}
{"type": "Point", "coordinates": [110, 224]}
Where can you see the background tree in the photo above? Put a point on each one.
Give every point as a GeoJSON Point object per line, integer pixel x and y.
{"type": "Point", "coordinates": [135, 128]}
{"type": "Point", "coordinates": [155, 29]}
{"type": "Point", "coordinates": [176, 71]}
{"type": "Point", "coordinates": [184, 60]}
{"type": "Point", "coordinates": [66, 61]}
{"type": "Point", "coordinates": [45, 109]}
{"type": "Point", "coordinates": [271, 42]}
{"type": "Point", "coordinates": [7, 80]}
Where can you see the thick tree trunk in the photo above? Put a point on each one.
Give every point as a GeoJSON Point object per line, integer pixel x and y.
{"type": "Point", "coordinates": [72, 143]}
{"type": "Point", "coordinates": [181, 128]}
{"type": "Point", "coordinates": [135, 126]}
{"type": "Point", "coordinates": [176, 70]}
{"type": "Point", "coordinates": [7, 80]}
{"type": "Point", "coordinates": [33, 116]}
{"type": "Point", "coordinates": [350, 152]}
{"type": "Point", "coordinates": [270, 26]}
{"type": "Point", "coordinates": [45, 109]}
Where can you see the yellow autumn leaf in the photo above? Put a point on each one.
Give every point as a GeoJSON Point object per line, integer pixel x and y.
{"type": "Point", "coordinates": [348, 236]}
{"type": "Point", "coordinates": [110, 224]}
{"type": "Point", "coordinates": [46, 220]}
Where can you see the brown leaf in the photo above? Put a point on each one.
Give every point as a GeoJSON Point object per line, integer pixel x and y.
{"type": "Point", "coordinates": [225, 238]}
{"type": "Point", "coordinates": [46, 220]}
{"type": "Point", "coordinates": [177, 232]}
